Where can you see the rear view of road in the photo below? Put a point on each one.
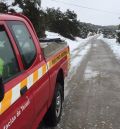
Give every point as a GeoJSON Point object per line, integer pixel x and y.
{"type": "Point", "coordinates": [94, 98]}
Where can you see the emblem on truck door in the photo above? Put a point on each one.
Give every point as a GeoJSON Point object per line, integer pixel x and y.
{"type": "Point", "coordinates": [17, 114]}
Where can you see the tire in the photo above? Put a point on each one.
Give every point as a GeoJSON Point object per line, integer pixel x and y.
{"type": "Point", "coordinates": [54, 114]}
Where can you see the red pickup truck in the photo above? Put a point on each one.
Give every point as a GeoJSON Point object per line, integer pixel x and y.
{"type": "Point", "coordinates": [31, 75]}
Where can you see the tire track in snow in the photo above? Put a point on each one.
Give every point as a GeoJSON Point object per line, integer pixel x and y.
{"type": "Point", "coordinates": [76, 58]}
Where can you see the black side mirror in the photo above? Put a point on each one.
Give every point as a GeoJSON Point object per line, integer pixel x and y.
{"type": "Point", "coordinates": [1, 89]}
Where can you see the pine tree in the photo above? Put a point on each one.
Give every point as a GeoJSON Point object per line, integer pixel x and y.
{"type": "Point", "coordinates": [64, 23]}
{"type": "Point", "coordinates": [31, 9]}
{"type": "Point", "coordinates": [3, 7]}
{"type": "Point", "coordinates": [118, 34]}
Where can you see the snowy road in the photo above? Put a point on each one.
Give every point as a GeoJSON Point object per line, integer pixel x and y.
{"type": "Point", "coordinates": [94, 98]}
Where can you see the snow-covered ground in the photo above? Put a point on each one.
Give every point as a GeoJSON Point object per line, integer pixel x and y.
{"type": "Point", "coordinates": [113, 45]}
{"type": "Point", "coordinates": [90, 73]}
{"type": "Point", "coordinates": [72, 44]}
{"type": "Point", "coordinates": [78, 49]}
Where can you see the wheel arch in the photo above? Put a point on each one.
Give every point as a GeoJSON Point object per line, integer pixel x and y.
{"type": "Point", "coordinates": [60, 79]}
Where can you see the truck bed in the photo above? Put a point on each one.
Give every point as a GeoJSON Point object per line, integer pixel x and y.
{"type": "Point", "coordinates": [52, 46]}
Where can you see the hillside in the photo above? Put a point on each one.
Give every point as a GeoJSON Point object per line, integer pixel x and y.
{"type": "Point", "coordinates": [54, 20]}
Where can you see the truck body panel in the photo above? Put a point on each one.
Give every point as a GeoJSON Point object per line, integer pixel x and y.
{"type": "Point", "coordinates": [28, 94]}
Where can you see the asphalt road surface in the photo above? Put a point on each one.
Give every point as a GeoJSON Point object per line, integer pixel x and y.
{"type": "Point", "coordinates": [94, 98]}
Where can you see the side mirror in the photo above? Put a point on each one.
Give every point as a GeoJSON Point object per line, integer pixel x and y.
{"type": "Point", "coordinates": [1, 89]}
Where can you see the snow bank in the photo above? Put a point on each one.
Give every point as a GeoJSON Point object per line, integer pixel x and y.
{"type": "Point", "coordinates": [78, 49]}
{"type": "Point", "coordinates": [72, 44]}
{"type": "Point", "coordinates": [80, 55]}
{"type": "Point", "coordinates": [16, 8]}
{"type": "Point", "coordinates": [113, 45]}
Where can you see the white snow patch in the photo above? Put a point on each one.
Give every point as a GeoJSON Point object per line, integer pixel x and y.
{"type": "Point", "coordinates": [95, 45]}
{"type": "Point", "coordinates": [113, 45]}
{"type": "Point", "coordinates": [77, 60]}
{"type": "Point", "coordinates": [16, 8]}
{"type": "Point", "coordinates": [72, 44]}
{"type": "Point", "coordinates": [90, 73]}
{"type": "Point", "coordinates": [100, 37]}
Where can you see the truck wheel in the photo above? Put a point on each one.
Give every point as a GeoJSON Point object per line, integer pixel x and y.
{"type": "Point", "coordinates": [54, 113]}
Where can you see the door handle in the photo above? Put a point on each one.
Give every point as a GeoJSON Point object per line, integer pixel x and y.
{"type": "Point", "coordinates": [23, 90]}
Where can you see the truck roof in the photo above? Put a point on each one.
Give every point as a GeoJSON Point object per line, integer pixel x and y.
{"type": "Point", "coordinates": [4, 17]}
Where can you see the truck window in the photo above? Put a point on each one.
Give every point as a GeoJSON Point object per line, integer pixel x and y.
{"type": "Point", "coordinates": [24, 42]}
{"type": "Point", "coordinates": [8, 63]}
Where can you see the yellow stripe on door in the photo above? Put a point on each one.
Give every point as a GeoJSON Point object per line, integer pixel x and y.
{"type": "Point", "coordinates": [23, 83]}
{"type": "Point", "coordinates": [6, 101]}
{"type": "Point", "coordinates": [44, 69]}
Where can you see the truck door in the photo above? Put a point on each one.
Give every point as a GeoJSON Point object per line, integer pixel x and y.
{"type": "Point", "coordinates": [16, 109]}
{"type": "Point", "coordinates": [34, 64]}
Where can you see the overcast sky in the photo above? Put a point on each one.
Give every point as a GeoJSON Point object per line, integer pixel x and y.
{"type": "Point", "coordinates": [87, 15]}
